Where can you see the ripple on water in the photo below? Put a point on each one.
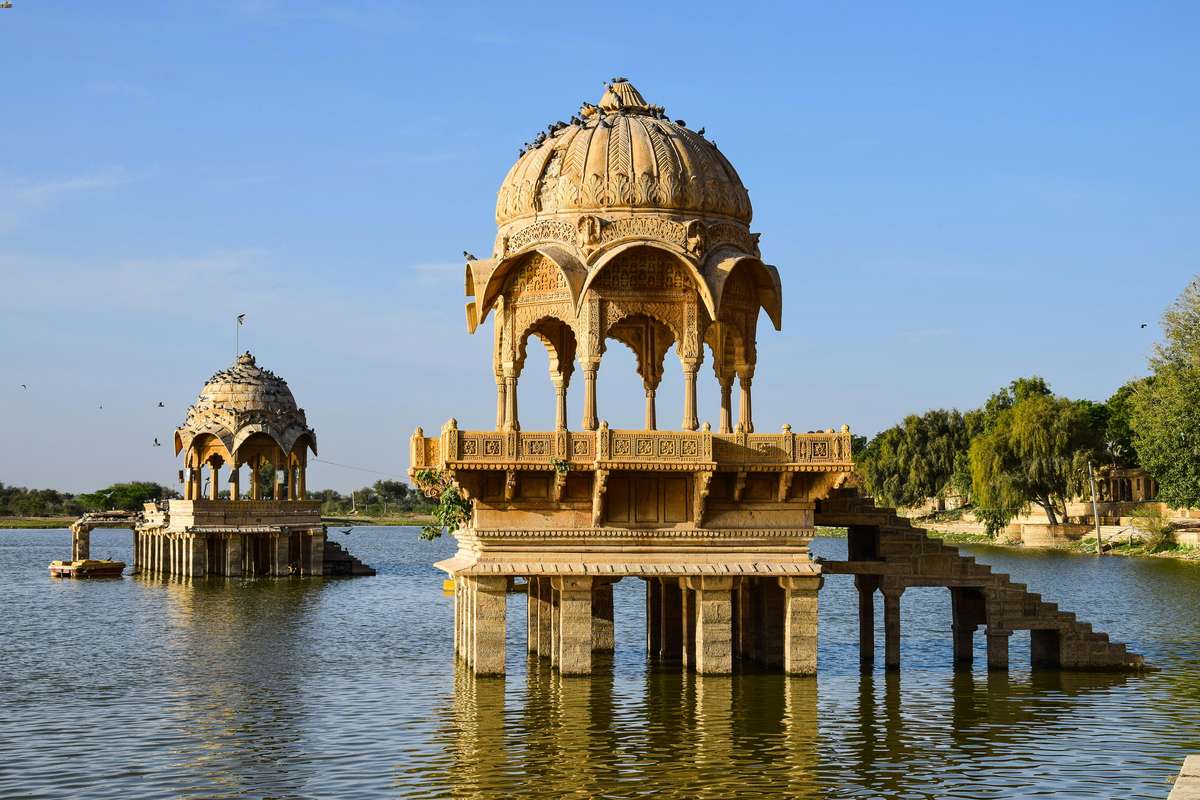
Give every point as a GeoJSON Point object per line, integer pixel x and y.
{"type": "Point", "coordinates": [348, 689]}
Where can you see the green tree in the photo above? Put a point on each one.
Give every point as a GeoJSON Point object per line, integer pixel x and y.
{"type": "Point", "coordinates": [1035, 451]}
{"type": "Point", "coordinates": [126, 496]}
{"type": "Point", "coordinates": [1118, 428]}
{"type": "Point", "coordinates": [914, 460]}
{"type": "Point", "coordinates": [1165, 415]}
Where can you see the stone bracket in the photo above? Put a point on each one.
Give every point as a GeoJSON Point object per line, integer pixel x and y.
{"type": "Point", "coordinates": [703, 481]}
{"type": "Point", "coordinates": [599, 487]}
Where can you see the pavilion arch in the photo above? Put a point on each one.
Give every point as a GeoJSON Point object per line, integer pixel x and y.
{"type": "Point", "coordinates": [612, 255]}
{"type": "Point", "coordinates": [486, 280]}
{"type": "Point", "coordinates": [721, 264]}
{"type": "Point", "coordinates": [650, 338]}
{"type": "Point", "coordinates": [558, 337]}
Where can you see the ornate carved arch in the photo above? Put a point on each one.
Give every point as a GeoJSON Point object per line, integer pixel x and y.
{"type": "Point", "coordinates": [612, 256]}
{"type": "Point", "coordinates": [720, 266]}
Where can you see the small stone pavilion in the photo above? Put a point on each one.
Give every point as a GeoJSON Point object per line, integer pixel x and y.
{"type": "Point", "coordinates": [623, 225]}
{"type": "Point", "coordinates": [247, 417]}
{"type": "Point", "coordinates": [626, 226]}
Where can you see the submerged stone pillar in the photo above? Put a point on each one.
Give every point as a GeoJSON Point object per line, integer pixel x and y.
{"type": "Point", "coordinates": [653, 618]}
{"type": "Point", "coordinates": [800, 624]}
{"type": "Point", "coordinates": [891, 627]}
{"type": "Point", "coordinates": [233, 556]}
{"type": "Point", "coordinates": [531, 615]}
{"type": "Point", "coordinates": [81, 545]}
{"type": "Point", "coordinates": [866, 585]}
{"type": "Point", "coordinates": [575, 624]}
{"type": "Point", "coordinates": [773, 624]}
{"type": "Point", "coordinates": [197, 556]}
{"type": "Point", "coordinates": [545, 618]}
{"type": "Point", "coordinates": [317, 560]}
{"type": "Point", "coordinates": [555, 622]}
{"type": "Point", "coordinates": [491, 598]}
{"type": "Point", "coordinates": [687, 624]}
{"type": "Point", "coordinates": [744, 641]}
{"type": "Point", "coordinates": [712, 598]}
{"type": "Point", "coordinates": [280, 550]}
{"type": "Point", "coordinates": [997, 648]}
{"type": "Point", "coordinates": [604, 635]}
{"type": "Point", "coordinates": [672, 620]}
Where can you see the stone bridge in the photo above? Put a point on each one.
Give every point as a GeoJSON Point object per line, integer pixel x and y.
{"type": "Point", "coordinates": [81, 529]}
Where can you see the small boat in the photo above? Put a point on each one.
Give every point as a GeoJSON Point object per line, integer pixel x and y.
{"type": "Point", "coordinates": [87, 568]}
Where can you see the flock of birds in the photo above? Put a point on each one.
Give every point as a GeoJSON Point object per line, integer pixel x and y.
{"type": "Point", "coordinates": [161, 404]}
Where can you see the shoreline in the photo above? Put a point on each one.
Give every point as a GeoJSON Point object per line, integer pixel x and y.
{"type": "Point", "coordinates": [1085, 546]}
{"type": "Point", "coordinates": [58, 523]}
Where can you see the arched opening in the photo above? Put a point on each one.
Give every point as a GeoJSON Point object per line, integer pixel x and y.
{"type": "Point", "coordinates": [558, 343]}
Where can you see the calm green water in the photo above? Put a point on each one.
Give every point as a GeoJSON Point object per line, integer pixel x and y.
{"type": "Point", "coordinates": [149, 688]}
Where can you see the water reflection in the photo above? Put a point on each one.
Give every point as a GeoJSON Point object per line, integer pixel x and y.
{"type": "Point", "coordinates": [223, 688]}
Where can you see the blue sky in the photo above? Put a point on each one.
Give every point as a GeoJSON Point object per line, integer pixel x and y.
{"type": "Point", "coordinates": [955, 196]}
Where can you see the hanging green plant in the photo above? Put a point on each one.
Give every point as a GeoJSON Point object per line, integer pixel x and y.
{"type": "Point", "coordinates": [453, 510]}
{"type": "Point", "coordinates": [560, 465]}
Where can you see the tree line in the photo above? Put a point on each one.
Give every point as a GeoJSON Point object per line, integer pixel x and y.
{"type": "Point", "coordinates": [1027, 446]}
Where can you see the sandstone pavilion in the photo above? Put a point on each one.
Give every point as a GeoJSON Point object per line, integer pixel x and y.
{"type": "Point", "coordinates": [244, 513]}
{"type": "Point", "coordinates": [623, 225]}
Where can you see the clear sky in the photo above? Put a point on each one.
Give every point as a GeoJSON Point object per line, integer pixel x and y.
{"type": "Point", "coordinates": [955, 196]}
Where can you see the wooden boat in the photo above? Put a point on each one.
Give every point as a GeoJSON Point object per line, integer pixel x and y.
{"type": "Point", "coordinates": [87, 568]}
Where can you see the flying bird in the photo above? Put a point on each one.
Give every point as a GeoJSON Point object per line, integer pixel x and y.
{"type": "Point", "coordinates": [346, 531]}
{"type": "Point", "coordinates": [102, 406]}
{"type": "Point", "coordinates": [241, 319]}
{"type": "Point", "coordinates": [23, 386]}
{"type": "Point", "coordinates": [1143, 324]}
{"type": "Point", "coordinates": [157, 443]}
{"type": "Point", "coordinates": [469, 256]}
{"type": "Point", "coordinates": [160, 404]}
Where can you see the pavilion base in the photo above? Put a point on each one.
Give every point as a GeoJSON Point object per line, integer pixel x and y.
{"type": "Point", "coordinates": [707, 624]}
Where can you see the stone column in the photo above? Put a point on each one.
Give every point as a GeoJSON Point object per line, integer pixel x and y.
{"type": "Point", "coordinates": [687, 623]}
{"type": "Point", "coordinates": [255, 491]}
{"type": "Point", "coordinates": [501, 402]}
{"type": "Point", "coordinates": [545, 617]}
{"type": "Point", "coordinates": [591, 420]}
{"type": "Point", "coordinates": [199, 556]}
{"type": "Point", "coordinates": [745, 414]}
{"type": "Point", "coordinates": [866, 620]}
{"type": "Point", "coordinates": [575, 625]}
{"type": "Point", "coordinates": [233, 555]}
{"type": "Point", "coordinates": [727, 405]}
{"type": "Point", "coordinates": [511, 421]}
{"type": "Point", "coordinates": [457, 617]}
{"type": "Point", "coordinates": [997, 648]}
{"type": "Point", "coordinates": [560, 404]}
{"type": "Point", "coordinates": [279, 545]}
{"type": "Point", "coordinates": [651, 414]}
{"type": "Point", "coordinates": [491, 599]}
{"type": "Point", "coordinates": [555, 623]}
{"type": "Point", "coordinates": [604, 634]}
{"type": "Point", "coordinates": [235, 492]}
{"type": "Point", "coordinates": [800, 624]}
{"type": "Point", "coordinates": [214, 486]}
{"type": "Point", "coordinates": [743, 647]}
{"type": "Point", "coordinates": [713, 616]}
{"type": "Point", "coordinates": [672, 620]}
{"type": "Point", "coordinates": [81, 545]}
{"type": "Point", "coordinates": [469, 621]}
{"type": "Point", "coordinates": [690, 368]}
{"type": "Point", "coordinates": [302, 482]}
{"type": "Point", "coordinates": [891, 627]}
{"type": "Point", "coordinates": [531, 615]}
{"type": "Point", "coordinates": [774, 624]}
{"type": "Point", "coordinates": [653, 618]}
{"type": "Point", "coordinates": [318, 554]}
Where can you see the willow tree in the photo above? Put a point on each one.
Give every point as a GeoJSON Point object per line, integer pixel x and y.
{"type": "Point", "coordinates": [1166, 410]}
{"type": "Point", "coordinates": [1035, 451]}
{"type": "Point", "coordinates": [915, 460]}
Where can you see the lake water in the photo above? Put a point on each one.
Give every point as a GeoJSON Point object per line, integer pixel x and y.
{"type": "Point", "coordinates": [143, 687]}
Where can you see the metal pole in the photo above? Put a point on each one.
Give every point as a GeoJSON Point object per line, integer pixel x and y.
{"type": "Point", "coordinates": [1095, 512]}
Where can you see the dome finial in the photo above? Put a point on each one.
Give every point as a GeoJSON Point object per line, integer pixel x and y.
{"type": "Point", "coordinates": [246, 360]}
{"type": "Point", "coordinates": [620, 95]}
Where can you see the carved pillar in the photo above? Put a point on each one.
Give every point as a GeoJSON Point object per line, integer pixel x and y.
{"type": "Point", "coordinates": [560, 404]}
{"type": "Point", "coordinates": [651, 415]}
{"type": "Point", "coordinates": [603, 629]}
{"type": "Point", "coordinates": [690, 368]}
{"type": "Point", "coordinates": [235, 471]}
{"type": "Point", "coordinates": [745, 417]}
{"type": "Point", "coordinates": [491, 596]}
{"type": "Point", "coordinates": [81, 545]}
{"type": "Point", "coordinates": [302, 482]}
{"type": "Point", "coordinates": [255, 466]}
{"type": "Point", "coordinates": [590, 419]}
{"type": "Point", "coordinates": [511, 422]}
{"type": "Point", "coordinates": [726, 405]}
{"type": "Point", "coordinates": [214, 487]}
{"type": "Point", "coordinates": [501, 402]}
{"type": "Point", "coordinates": [277, 473]}
{"type": "Point", "coordinates": [575, 625]}
{"type": "Point", "coordinates": [800, 624]}
{"type": "Point", "coordinates": [891, 627]}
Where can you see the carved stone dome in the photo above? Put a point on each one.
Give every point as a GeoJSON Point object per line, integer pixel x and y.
{"type": "Point", "coordinates": [240, 401]}
{"type": "Point", "coordinates": [622, 154]}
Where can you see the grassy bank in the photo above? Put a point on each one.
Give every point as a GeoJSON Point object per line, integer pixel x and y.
{"type": "Point", "coordinates": [33, 523]}
{"type": "Point", "coordinates": [359, 521]}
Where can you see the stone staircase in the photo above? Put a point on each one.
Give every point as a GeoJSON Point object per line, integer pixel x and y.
{"type": "Point", "coordinates": [901, 555]}
{"type": "Point", "coordinates": [341, 563]}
